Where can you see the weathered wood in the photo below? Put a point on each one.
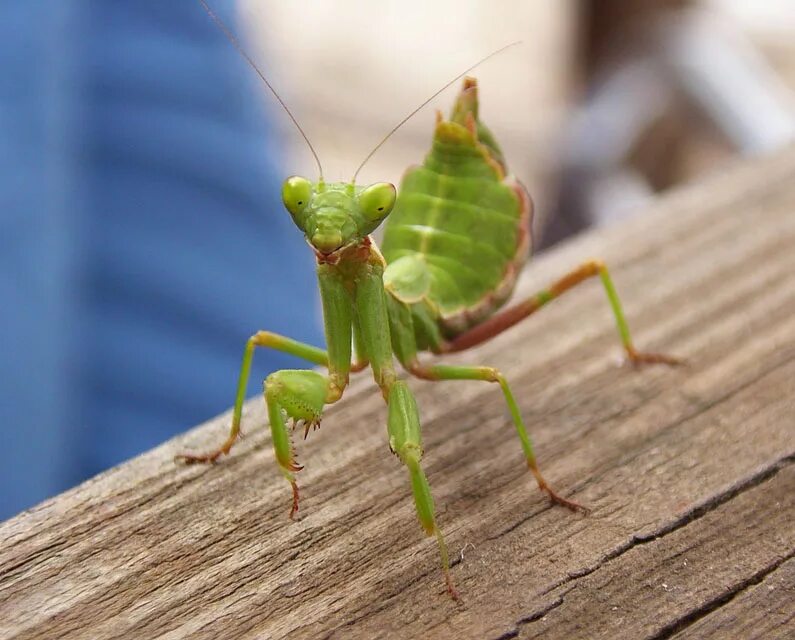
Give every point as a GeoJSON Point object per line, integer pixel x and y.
{"type": "Point", "coordinates": [689, 473]}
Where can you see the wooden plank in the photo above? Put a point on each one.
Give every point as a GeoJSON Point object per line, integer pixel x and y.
{"type": "Point", "coordinates": [762, 610]}
{"type": "Point", "coordinates": [664, 577]}
{"type": "Point", "coordinates": [664, 457]}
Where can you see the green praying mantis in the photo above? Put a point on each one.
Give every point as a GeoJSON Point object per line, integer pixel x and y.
{"type": "Point", "coordinates": [456, 237]}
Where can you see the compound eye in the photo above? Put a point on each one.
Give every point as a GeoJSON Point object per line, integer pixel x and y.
{"type": "Point", "coordinates": [377, 200]}
{"type": "Point", "coordinates": [296, 194]}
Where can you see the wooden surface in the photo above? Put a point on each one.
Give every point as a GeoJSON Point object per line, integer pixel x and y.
{"type": "Point", "coordinates": [689, 473]}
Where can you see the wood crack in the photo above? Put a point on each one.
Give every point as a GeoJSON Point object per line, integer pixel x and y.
{"type": "Point", "coordinates": [685, 519]}
{"type": "Point", "coordinates": [694, 616]}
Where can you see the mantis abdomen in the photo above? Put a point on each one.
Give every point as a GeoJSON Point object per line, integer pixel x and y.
{"type": "Point", "coordinates": [460, 229]}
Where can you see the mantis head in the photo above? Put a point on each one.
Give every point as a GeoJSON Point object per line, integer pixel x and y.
{"type": "Point", "coordinates": [333, 216]}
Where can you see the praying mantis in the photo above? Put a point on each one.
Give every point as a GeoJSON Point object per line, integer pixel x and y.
{"type": "Point", "coordinates": [456, 236]}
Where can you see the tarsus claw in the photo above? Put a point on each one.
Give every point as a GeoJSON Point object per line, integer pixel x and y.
{"type": "Point", "coordinates": [569, 504]}
{"type": "Point", "coordinates": [294, 508]}
{"type": "Point", "coordinates": [188, 458]}
{"type": "Point", "coordinates": [640, 358]}
{"type": "Point", "coordinates": [451, 588]}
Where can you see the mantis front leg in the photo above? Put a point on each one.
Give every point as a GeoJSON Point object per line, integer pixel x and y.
{"type": "Point", "coordinates": [405, 441]}
{"type": "Point", "coordinates": [298, 395]}
{"type": "Point", "coordinates": [259, 339]}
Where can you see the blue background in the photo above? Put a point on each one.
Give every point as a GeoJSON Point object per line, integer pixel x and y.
{"type": "Point", "coordinates": [142, 237]}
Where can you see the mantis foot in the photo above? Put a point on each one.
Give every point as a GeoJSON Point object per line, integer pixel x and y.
{"type": "Point", "coordinates": [207, 458]}
{"type": "Point", "coordinates": [557, 498]}
{"type": "Point", "coordinates": [563, 502]}
{"type": "Point", "coordinates": [451, 587]}
{"type": "Point", "coordinates": [294, 507]}
{"type": "Point", "coordinates": [638, 358]}
{"type": "Point", "coordinates": [210, 458]}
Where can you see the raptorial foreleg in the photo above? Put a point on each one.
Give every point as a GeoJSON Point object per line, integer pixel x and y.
{"type": "Point", "coordinates": [259, 339]}
{"type": "Point", "coordinates": [293, 395]}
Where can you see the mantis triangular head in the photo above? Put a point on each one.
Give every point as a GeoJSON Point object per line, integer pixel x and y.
{"type": "Point", "coordinates": [337, 215]}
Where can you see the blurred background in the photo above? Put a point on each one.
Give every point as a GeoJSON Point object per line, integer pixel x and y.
{"type": "Point", "coordinates": [143, 238]}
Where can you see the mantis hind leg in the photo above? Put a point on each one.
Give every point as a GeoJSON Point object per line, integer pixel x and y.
{"type": "Point", "coordinates": [512, 315]}
{"type": "Point", "coordinates": [489, 374]}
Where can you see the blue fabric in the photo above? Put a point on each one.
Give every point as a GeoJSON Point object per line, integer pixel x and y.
{"type": "Point", "coordinates": [142, 237]}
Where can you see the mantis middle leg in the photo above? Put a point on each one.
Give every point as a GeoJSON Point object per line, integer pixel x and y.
{"type": "Point", "coordinates": [489, 374]}
{"type": "Point", "coordinates": [279, 343]}
{"type": "Point", "coordinates": [405, 433]}
{"type": "Point", "coordinates": [405, 343]}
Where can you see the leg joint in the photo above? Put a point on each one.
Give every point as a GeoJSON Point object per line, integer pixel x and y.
{"type": "Point", "coordinates": [410, 453]}
{"type": "Point", "coordinates": [595, 265]}
{"type": "Point", "coordinates": [335, 390]}
{"type": "Point", "coordinates": [262, 339]}
{"type": "Point", "coordinates": [585, 270]}
{"type": "Point", "coordinates": [421, 372]}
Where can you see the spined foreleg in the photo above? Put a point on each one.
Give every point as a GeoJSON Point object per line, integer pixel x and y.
{"type": "Point", "coordinates": [295, 395]}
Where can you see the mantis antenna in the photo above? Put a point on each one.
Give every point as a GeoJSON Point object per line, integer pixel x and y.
{"type": "Point", "coordinates": [408, 117]}
{"type": "Point", "coordinates": [231, 37]}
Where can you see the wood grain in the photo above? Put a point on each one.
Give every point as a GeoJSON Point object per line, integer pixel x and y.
{"type": "Point", "coordinates": [689, 473]}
